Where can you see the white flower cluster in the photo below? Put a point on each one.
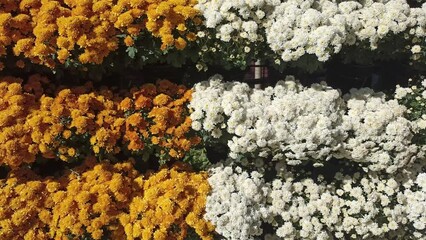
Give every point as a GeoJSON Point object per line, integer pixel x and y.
{"type": "Point", "coordinates": [350, 210]}
{"type": "Point", "coordinates": [401, 92]}
{"type": "Point", "coordinates": [357, 206]}
{"type": "Point", "coordinates": [298, 27]}
{"type": "Point", "coordinates": [235, 19]}
{"type": "Point", "coordinates": [380, 135]}
{"type": "Point", "coordinates": [286, 121]}
{"type": "Point", "coordinates": [208, 103]}
{"type": "Point", "coordinates": [414, 98]}
{"type": "Point", "coordinates": [297, 123]}
{"type": "Point", "coordinates": [235, 204]}
{"type": "Point", "coordinates": [293, 28]}
{"type": "Point", "coordinates": [415, 200]}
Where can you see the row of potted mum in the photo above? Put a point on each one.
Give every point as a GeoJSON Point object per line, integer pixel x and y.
{"type": "Point", "coordinates": [88, 36]}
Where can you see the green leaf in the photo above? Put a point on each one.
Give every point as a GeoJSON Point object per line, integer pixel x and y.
{"type": "Point", "coordinates": [131, 51]}
{"type": "Point", "coordinates": [197, 158]}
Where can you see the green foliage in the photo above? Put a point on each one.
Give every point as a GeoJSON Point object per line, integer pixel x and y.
{"type": "Point", "coordinates": [197, 158]}
{"type": "Point", "coordinates": [131, 52]}
{"type": "Point", "coordinates": [414, 102]}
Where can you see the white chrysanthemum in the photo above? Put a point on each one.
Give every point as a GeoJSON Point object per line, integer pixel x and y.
{"type": "Point", "coordinates": [352, 205]}
{"type": "Point", "coordinates": [421, 180]}
{"type": "Point", "coordinates": [236, 203]}
{"type": "Point", "coordinates": [380, 135]}
{"type": "Point", "coordinates": [295, 123]}
{"type": "Point", "coordinates": [401, 92]}
{"type": "Point", "coordinates": [415, 205]}
{"type": "Point", "coordinates": [416, 49]}
{"type": "Point", "coordinates": [293, 28]}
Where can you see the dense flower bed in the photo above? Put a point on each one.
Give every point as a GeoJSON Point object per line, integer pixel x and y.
{"type": "Point", "coordinates": [80, 121]}
{"type": "Point", "coordinates": [128, 119]}
{"type": "Point", "coordinates": [104, 200]}
{"type": "Point", "coordinates": [78, 34]}
{"type": "Point", "coordinates": [294, 123]}
{"type": "Point", "coordinates": [88, 31]}
{"type": "Point", "coordinates": [281, 143]}
{"type": "Point", "coordinates": [294, 28]}
{"type": "Point", "coordinates": [299, 206]}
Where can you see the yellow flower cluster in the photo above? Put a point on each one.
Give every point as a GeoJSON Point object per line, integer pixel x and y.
{"type": "Point", "coordinates": [89, 29]}
{"type": "Point", "coordinates": [164, 19]}
{"type": "Point", "coordinates": [101, 199]}
{"type": "Point", "coordinates": [16, 145]}
{"type": "Point", "coordinates": [90, 200]}
{"type": "Point", "coordinates": [77, 122]}
{"type": "Point", "coordinates": [172, 201]}
{"type": "Point", "coordinates": [158, 115]}
{"type": "Point", "coordinates": [72, 112]}
{"type": "Point", "coordinates": [22, 212]}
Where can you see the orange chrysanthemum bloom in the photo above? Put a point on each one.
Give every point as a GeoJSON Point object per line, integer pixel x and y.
{"type": "Point", "coordinates": [40, 119]}
{"type": "Point", "coordinates": [128, 41]}
{"type": "Point", "coordinates": [92, 199]}
{"type": "Point", "coordinates": [22, 214]}
{"type": "Point", "coordinates": [16, 146]}
{"type": "Point", "coordinates": [171, 197]}
{"type": "Point", "coordinates": [95, 197]}
{"type": "Point", "coordinates": [77, 112]}
{"type": "Point", "coordinates": [162, 100]}
{"type": "Point", "coordinates": [87, 30]}
{"type": "Point", "coordinates": [159, 116]}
